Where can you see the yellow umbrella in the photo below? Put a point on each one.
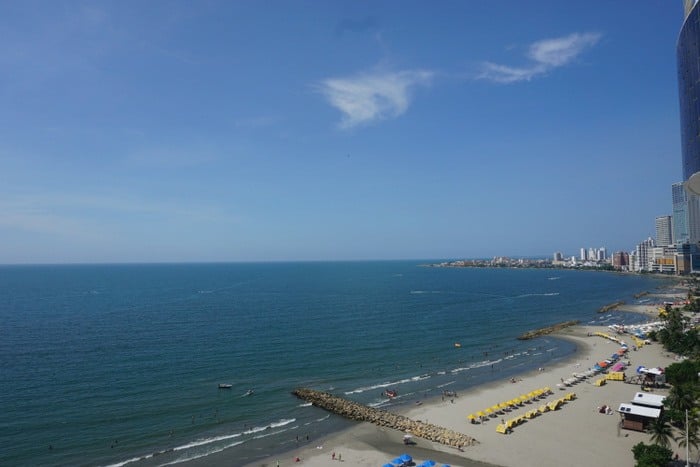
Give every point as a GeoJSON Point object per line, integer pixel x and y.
{"type": "Point", "coordinates": [524, 398]}
{"type": "Point", "coordinates": [480, 414]}
{"type": "Point", "coordinates": [471, 416]}
{"type": "Point", "coordinates": [495, 408]}
{"type": "Point", "coordinates": [503, 405]}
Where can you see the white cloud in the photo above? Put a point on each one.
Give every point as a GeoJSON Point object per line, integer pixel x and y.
{"type": "Point", "coordinates": [546, 55]}
{"type": "Point", "coordinates": [367, 98]}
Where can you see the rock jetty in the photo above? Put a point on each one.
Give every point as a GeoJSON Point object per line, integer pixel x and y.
{"type": "Point", "coordinates": [548, 330]}
{"type": "Point", "coordinates": [611, 306]}
{"type": "Point", "coordinates": [362, 413]}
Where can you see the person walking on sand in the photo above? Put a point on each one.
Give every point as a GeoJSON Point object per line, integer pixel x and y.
{"type": "Point", "coordinates": [339, 458]}
{"type": "Point", "coordinates": [333, 456]}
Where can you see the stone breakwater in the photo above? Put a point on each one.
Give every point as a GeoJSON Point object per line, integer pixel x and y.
{"type": "Point", "coordinates": [362, 413]}
{"type": "Point", "coordinates": [548, 330]}
{"type": "Point", "coordinates": [611, 306]}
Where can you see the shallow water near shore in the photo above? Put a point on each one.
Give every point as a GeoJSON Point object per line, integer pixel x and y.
{"type": "Point", "coordinates": [120, 364]}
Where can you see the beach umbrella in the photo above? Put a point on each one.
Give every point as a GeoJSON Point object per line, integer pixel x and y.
{"type": "Point", "coordinates": [388, 465]}
{"type": "Point", "coordinates": [397, 461]}
{"type": "Point", "coordinates": [429, 463]}
{"type": "Point", "coordinates": [503, 405]}
{"type": "Point", "coordinates": [471, 416]}
{"type": "Point", "coordinates": [480, 414]}
{"type": "Point", "coordinates": [405, 458]}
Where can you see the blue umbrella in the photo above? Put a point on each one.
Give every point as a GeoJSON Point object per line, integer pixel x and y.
{"type": "Point", "coordinates": [446, 465]}
{"type": "Point", "coordinates": [405, 458]}
{"type": "Point", "coordinates": [388, 465]}
{"type": "Point", "coordinates": [428, 463]}
{"type": "Point", "coordinates": [397, 461]}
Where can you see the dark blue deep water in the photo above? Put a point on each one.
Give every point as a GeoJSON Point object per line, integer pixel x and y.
{"type": "Point", "coordinates": [109, 364]}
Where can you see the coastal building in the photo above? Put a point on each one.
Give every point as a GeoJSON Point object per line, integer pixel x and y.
{"type": "Point", "coordinates": [584, 254]}
{"type": "Point", "coordinates": [558, 256]}
{"type": "Point", "coordinates": [643, 254]}
{"type": "Point", "coordinates": [621, 260]}
{"type": "Point", "coordinates": [688, 57]}
{"type": "Point", "coordinates": [679, 220]}
{"type": "Point", "coordinates": [663, 231]}
{"type": "Point", "coordinates": [602, 254]}
{"type": "Point", "coordinates": [662, 259]}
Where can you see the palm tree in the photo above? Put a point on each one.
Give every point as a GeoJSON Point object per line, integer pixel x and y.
{"type": "Point", "coordinates": [681, 397]}
{"type": "Point", "coordinates": [661, 433]}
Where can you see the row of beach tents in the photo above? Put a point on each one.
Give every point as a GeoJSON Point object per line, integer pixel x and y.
{"type": "Point", "coordinates": [552, 405]}
{"type": "Point", "coordinates": [502, 407]}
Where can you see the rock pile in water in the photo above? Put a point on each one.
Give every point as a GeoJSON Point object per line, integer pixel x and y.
{"type": "Point", "coordinates": [359, 412]}
{"type": "Point", "coordinates": [548, 330]}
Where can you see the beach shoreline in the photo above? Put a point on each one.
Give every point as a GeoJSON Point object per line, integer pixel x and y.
{"type": "Point", "coordinates": [544, 440]}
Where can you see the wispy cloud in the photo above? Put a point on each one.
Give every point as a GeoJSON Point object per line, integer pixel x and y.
{"type": "Point", "coordinates": [367, 98]}
{"type": "Point", "coordinates": [545, 55]}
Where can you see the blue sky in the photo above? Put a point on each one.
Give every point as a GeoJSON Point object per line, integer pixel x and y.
{"type": "Point", "coordinates": [245, 131]}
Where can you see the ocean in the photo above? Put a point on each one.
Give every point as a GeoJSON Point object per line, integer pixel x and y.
{"type": "Point", "coordinates": [120, 364]}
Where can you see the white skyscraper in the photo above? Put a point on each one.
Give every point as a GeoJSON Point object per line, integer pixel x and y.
{"type": "Point", "coordinates": [663, 231]}
{"type": "Point", "coordinates": [584, 255]}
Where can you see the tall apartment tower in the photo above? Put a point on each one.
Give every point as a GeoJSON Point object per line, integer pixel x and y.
{"type": "Point", "coordinates": [642, 254]}
{"type": "Point", "coordinates": [688, 56]}
{"type": "Point", "coordinates": [680, 223]}
{"type": "Point", "coordinates": [663, 231]}
{"type": "Point", "coordinates": [584, 254]}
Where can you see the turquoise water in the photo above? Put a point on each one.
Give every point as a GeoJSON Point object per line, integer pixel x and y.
{"type": "Point", "coordinates": [111, 364]}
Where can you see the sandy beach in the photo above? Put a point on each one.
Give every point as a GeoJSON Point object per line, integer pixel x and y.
{"type": "Point", "coordinates": [575, 434]}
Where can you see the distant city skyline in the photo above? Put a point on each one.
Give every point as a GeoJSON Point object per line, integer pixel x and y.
{"type": "Point", "coordinates": [233, 131]}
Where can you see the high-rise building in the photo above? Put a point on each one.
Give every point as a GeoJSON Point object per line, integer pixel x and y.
{"type": "Point", "coordinates": [679, 221]}
{"type": "Point", "coordinates": [602, 254]}
{"type": "Point", "coordinates": [643, 255]}
{"type": "Point", "coordinates": [663, 231]}
{"type": "Point", "coordinates": [688, 56]}
{"type": "Point", "coordinates": [584, 254]}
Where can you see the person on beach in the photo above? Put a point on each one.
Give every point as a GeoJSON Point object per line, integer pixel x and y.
{"type": "Point", "coordinates": [333, 456]}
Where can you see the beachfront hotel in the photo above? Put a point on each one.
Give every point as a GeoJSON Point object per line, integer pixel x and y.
{"type": "Point", "coordinates": [688, 55]}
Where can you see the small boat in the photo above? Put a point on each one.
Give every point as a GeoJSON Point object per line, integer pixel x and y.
{"type": "Point", "coordinates": [249, 392]}
{"type": "Point", "coordinates": [225, 386]}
